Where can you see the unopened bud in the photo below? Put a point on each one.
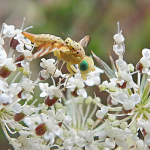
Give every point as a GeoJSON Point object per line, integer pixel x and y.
{"type": "Point", "coordinates": [139, 67]}
{"type": "Point", "coordinates": [50, 102]}
{"type": "Point", "coordinates": [123, 86]}
{"type": "Point", "coordinates": [13, 43]}
{"type": "Point", "coordinates": [4, 72]}
{"type": "Point", "coordinates": [60, 124]}
{"type": "Point", "coordinates": [19, 116]}
{"type": "Point", "coordinates": [74, 93]}
{"type": "Point", "coordinates": [19, 94]}
{"type": "Point", "coordinates": [90, 122]}
{"type": "Point", "coordinates": [88, 100]}
{"type": "Point", "coordinates": [123, 125]}
{"type": "Point", "coordinates": [19, 58]}
{"type": "Point", "coordinates": [40, 129]}
{"type": "Point", "coordinates": [131, 67]}
{"type": "Point", "coordinates": [126, 111]}
{"type": "Point", "coordinates": [5, 104]}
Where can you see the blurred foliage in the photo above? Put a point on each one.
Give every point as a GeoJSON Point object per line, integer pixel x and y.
{"type": "Point", "coordinates": [97, 18]}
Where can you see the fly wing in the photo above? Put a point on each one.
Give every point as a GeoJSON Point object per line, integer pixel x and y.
{"type": "Point", "coordinates": [46, 48]}
{"type": "Point", "coordinates": [84, 42]}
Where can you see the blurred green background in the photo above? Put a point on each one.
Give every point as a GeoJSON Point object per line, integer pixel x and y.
{"type": "Point", "coordinates": [77, 18]}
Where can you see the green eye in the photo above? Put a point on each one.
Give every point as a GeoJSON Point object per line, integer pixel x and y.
{"type": "Point", "coordinates": [83, 65]}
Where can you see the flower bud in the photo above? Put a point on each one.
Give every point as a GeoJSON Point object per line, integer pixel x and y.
{"type": "Point", "coordinates": [5, 72]}
{"type": "Point", "coordinates": [19, 116]}
{"type": "Point", "coordinates": [90, 122]}
{"type": "Point", "coordinates": [88, 100]}
{"type": "Point", "coordinates": [126, 111]}
{"type": "Point", "coordinates": [60, 124]}
{"type": "Point", "coordinates": [5, 104]}
{"type": "Point", "coordinates": [80, 100]}
{"type": "Point", "coordinates": [74, 93]}
{"type": "Point", "coordinates": [119, 38]}
{"type": "Point", "coordinates": [59, 141]}
{"type": "Point", "coordinates": [19, 58]}
{"type": "Point", "coordinates": [123, 86]}
{"type": "Point", "coordinates": [144, 132]}
{"type": "Point", "coordinates": [40, 129]}
{"type": "Point", "coordinates": [131, 67]}
{"type": "Point", "coordinates": [50, 102]}
{"type": "Point", "coordinates": [139, 67]}
{"type": "Point", "coordinates": [123, 125]}
{"type": "Point", "coordinates": [13, 43]}
{"type": "Point", "coordinates": [58, 106]}
{"type": "Point", "coordinates": [19, 94]}
{"type": "Point", "coordinates": [43, 75]}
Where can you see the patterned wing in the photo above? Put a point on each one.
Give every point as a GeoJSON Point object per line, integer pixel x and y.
{"type": "Point", "coordinates": [46, 48]}
{"type": "Point", "coordinates": [84, 42]}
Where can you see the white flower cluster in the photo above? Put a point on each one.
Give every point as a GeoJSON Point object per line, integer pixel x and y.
{"type": "Point", "coordinates": [72, 120]}
{"type": "Point", "coordinates": [127, 112]}
{"type": "Point", "coordinates": [52, 122]}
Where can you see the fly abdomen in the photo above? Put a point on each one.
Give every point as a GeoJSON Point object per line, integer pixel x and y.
{"type": "Point", "coordinates": [46, 38]}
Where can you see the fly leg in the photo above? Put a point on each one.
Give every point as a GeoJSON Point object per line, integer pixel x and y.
{"type": "Point", "coordinates": [72, 71]}
{"type": "Point", "coordinates": [55, 68]}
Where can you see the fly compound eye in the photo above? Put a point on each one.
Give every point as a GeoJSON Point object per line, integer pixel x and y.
{"type": "Point", "coordinates": [84, 65]}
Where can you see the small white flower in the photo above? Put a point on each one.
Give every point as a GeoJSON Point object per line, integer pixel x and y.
{"type": "Point", "coordinates": [89, 137]}
{"type": "Point", "coordinates": [147, 139]}
{"type": "Point", "coordinates": [49, 91]}
{"type": "Point", "coordinates": [1, 41]}
{"type": "Point", "coordinates": [50, 66]}
{"type": "Point", "coordinates": [27, 85]}
{"type": "Point", "coordinates": [118, 49]}
{"type": "Point", "coordinates": [103, 86]}
{"type": "Point", "coordinates": [45, 74]}
{"type": "Point", "coordinates": [16, 108]}
{"type": "Point", "coordinates": [2, 52]}
{"type": "Point", "coordinates": [102, 135]}
{"type": "Point", "coordinates": [4, 86]}
{"type": "Point", "coordinates": [146, 53]}
{"type": "Point", "coordinates": [68, 144]}
{"type": "Point", "coordinates": [110, 143]}
{"type": "Point", "coordinates": [22, 40]}
{"type": "Point", "coordinates": [145, 62]}
{"type": "Point", "coordinates": [77, 82]}
{"type": "Point", "coordinates": [15, 88]}
{"type": "Point", "coordinates": [28, 55]}
{"type": "Point", "coordinates": [140, 123]}
{"type": "Point", "coordinates": [82, 92]}
{"type": "Point", "coordinates": [20, 47]}
{"type": "Point", "coordinates": [49, 136]}
{"type": "Point", "coordinates": [10, 64]}
{"type": "Point", "coordinates": [44, 88]}
{"type": "Point", "coordinates": [102, 112]}
{"type": "Point", "coordinates": [128, 102]}
{"type": "Point", "coordinates": [6, 98]}
{"type": "Point", "coordinates": [126, 76]}
{"type": "Point", "coordinates": [89, 146]}
{"type": "Point", "coordinates": [94, 77]}
{"type": "Point", "coordinates": [26, 110]}
{"type": "Point", "coordinates": [122, 65]}
{"type": "Point", "coordinates": [119, 38]}
{"type": "Point", "coordinates": [9, 30]}
{"type": "Point", "coordinates": [80, 141]}
{"type": "Point", "coordinates": [60, 115]}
